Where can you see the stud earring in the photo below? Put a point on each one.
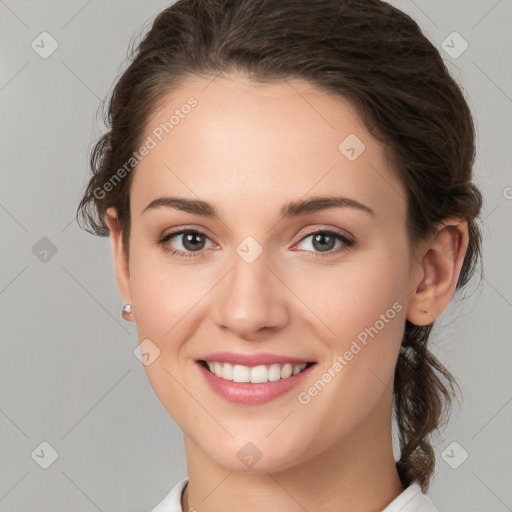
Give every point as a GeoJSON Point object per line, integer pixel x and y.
{"type": "Point", "coordinates": [426, 312]}
{"type": "Point", "coordinates": [125, 311]}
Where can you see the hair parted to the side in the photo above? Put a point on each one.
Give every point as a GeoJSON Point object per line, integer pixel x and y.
{"type": "Point", "coordinates": [365, 51]}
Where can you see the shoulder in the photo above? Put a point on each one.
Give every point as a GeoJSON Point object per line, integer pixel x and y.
{"type": "Point", "coordinates": [412, 499]}
{"type": "Point", "coordinates": [172, 500]}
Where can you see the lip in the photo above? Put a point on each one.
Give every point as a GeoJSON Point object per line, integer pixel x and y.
{"type": "Point", "coordinates": [252, 394]}
{"type": "Point", "coordinates": [251, 359]}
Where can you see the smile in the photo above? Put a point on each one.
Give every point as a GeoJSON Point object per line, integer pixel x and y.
{"type": "Point", "coordinates": [253, 385]}
{"type": "Point", "coordinates": [255, 374]}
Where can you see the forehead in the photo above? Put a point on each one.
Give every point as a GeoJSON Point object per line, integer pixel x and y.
{"type": "Point", "coordinates": [227, 138]}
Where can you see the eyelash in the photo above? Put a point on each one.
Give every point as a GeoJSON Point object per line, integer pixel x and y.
{"type": "Point", "coordinates": [347, 243]}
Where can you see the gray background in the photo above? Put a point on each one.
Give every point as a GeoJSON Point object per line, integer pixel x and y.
{"type": "Point", "coordinates": [68, 375]}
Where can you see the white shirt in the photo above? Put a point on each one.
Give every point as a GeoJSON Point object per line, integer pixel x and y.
{"type": "Point", "coordinates": [410, 500]}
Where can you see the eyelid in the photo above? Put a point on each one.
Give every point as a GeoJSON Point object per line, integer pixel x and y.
{"type": "Point", "coordinates": [324, 229]}
{"type": "Point", "coordinates": [181, 229]}
{"type": "Point", "coordinates": [167, 235]}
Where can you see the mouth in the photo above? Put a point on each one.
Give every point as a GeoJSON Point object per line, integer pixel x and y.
{"type": "Point", "coordinates": [253, 385]}
{"type": "Point", "coordinates": [254, 374]}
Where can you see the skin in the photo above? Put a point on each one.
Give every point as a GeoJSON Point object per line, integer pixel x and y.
{"type": "Point", "coordinates": [248, 148]}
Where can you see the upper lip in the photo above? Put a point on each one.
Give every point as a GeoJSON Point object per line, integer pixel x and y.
{"type": "Point", "coordinates": [251, 359]}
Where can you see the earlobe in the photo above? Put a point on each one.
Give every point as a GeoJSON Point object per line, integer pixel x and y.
{"type": "Point", "coordinates": [120, 263]}
{"type": "Point", "coordinates": [439, 270]}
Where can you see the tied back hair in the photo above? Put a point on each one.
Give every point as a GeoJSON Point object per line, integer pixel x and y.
{"type": "Point", "coordinates": [365, 51]}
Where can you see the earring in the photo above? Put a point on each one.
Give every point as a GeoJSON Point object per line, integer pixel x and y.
{"type": "Point", "coordinates": [426, 312]}
{"type": "Point", "coordinates": [125, 311]}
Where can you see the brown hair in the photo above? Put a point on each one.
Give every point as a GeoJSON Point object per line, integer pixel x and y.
{"type": "Point", "coordinates": [366, 51]}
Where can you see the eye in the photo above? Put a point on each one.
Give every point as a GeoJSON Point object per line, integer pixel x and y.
{"type": "Point", "coordinates": [326, 241]}
{"type": "Point", "coordinates": [189, 241]}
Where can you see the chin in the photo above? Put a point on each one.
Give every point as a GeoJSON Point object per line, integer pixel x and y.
{"type": "Point", "coordinates": [254, 457]}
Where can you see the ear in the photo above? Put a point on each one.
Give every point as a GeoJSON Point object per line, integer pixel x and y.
{"type": "Point", "coordinates": [120, 263]}
{"type": "Point", "coordinates": [437, 271]}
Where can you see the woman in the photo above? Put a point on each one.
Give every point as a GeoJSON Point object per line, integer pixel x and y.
{"type": "Point", "coordinates": [288, 189]}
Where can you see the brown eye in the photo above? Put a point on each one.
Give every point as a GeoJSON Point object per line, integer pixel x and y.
{"type": "Point", "coordinates": [192, 240]}
{"type": "Point", "coordinates": [184, 242]}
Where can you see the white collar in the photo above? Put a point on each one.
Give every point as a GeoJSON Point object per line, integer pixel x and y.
{"type": "Point", "coordinates": [410, 500]}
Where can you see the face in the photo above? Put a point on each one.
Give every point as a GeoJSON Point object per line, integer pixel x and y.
{"type": "Point", "coordinates": [267, 273]}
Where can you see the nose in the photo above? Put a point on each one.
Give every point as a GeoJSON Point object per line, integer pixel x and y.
{"type": "Point", "coordinates": [251, 300]}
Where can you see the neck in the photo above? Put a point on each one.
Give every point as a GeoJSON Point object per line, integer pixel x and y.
{"type": "Point", "coordinates": [358, 473]}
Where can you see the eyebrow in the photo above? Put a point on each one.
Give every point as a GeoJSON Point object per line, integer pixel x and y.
{"type": "Point", "coordinates": [291, 209]}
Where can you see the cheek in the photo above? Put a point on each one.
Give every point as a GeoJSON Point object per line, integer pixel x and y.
{"type": "Point", "coordinates": [362, 305]}
{"type": "Point", "coordinates": [364, 308]}
{"type": "Point", "coordinates": [166, 298]}
{"type": "Point", "coordinates": [162, 292]}
{"type": "Point", "coordinates": [351, 296]}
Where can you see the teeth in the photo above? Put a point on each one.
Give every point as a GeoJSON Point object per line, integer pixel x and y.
{"type": "Point", "coordinates": [227, 371]}
{"type": "Point", "coordinates": [254, 374]}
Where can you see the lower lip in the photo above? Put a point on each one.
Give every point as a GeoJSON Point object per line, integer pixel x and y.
{"type": "Point", "coordinates": [252, 394]}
